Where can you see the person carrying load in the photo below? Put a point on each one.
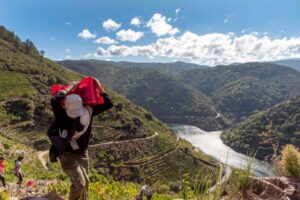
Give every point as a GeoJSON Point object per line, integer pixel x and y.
{"type": "Point", "coordinates": [2, 171]}
{"type": "Point", "coordinates": [74, 107]}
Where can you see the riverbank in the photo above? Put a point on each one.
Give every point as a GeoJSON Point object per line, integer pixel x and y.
{"type": "Point", "coordinates": [211, 144]}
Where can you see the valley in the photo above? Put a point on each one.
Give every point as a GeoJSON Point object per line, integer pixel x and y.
{"type": "Point", "coordinates": [255, 105]}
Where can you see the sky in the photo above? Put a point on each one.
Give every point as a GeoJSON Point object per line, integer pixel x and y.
{"type": "Point", "coordinates": [209, 32]}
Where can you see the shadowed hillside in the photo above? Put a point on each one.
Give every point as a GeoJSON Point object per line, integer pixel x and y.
{"type": "Point", "coordinates": [280, 124]}
{"type": "Point", "coordinates": [241, 90]}
{"type": "Point", "coordinates": [168, 98]}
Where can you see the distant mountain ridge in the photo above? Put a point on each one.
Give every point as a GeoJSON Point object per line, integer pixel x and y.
{"type": "Point", "coordinates": [240, 90]}
{"type": "Point", "coordinates": [167, 97]}
{"type": "Point", "coordinates": [171, 68]}
{"type": "Point", "coordinates": [293, 63]}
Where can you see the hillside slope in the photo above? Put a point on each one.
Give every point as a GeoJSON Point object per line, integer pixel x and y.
{"type": "Point", "coordinates": [280, 123]}
{"type": "Point", "coordinates": [128, 142]}
{"type": "Point", "coordinates": [169, 99]}
{"type": "Point", "coordinates": [239, 91]}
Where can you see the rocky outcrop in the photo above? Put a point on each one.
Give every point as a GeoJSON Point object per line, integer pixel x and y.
{"type": "Point", "coordinates": [269, 188]}
{"type": "Point", "coordinates": [277, 188]}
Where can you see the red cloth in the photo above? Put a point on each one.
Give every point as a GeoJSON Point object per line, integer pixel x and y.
{"type": "Point", "coordinates": [87, 89]}
{"type": "Point", "coordinates": [30, 183]}
{"type": "Point", "coordinates": [2, 167]}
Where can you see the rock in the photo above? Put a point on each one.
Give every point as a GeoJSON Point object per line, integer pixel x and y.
{"type": "Point", "coordinates": [264, 190]}
{"type": "Point", "coordinates": [53, 196]}
{"type": "Point", "coordinates": [280, 188]}
{"type": "Point", "coordinates": [49, 196]}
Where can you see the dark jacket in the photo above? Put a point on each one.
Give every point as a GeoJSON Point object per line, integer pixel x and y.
{"type": "Point", "coordinates": [63, 121]}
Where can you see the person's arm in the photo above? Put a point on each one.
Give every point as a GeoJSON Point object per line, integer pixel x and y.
{"type": "Point", "coordinates": [56, 105]}
{"type": "Point", "coordinates": [108, 104]}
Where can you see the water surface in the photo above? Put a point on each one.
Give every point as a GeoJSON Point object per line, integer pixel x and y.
{"type": "Point", "coordinates": [211, 144]}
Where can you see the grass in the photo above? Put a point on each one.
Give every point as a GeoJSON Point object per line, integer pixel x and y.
{"type": "Point", "coordinates": [14, 85]}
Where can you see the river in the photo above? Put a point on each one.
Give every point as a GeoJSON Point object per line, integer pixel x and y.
{"type": "Point", "coordinates": [211, 144]}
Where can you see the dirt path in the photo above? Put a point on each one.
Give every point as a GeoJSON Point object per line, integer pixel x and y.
{"type": "Point", "coordinates": [41, 155]}
{"type": "Point", "coordinates": [8, 100]}
{"type": "Point", "coordinates": [124, 141]}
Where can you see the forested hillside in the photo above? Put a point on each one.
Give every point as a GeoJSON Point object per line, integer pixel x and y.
{"type": "Point", "coordinates": [280, 124]}
{"type": "Point", "coordinates": [172, 68]}
{"type": "Point", "coordinates": [169, 99]}
{"type": "Point", "coordinates": [241, 90]}
{"type": "Point", "coordinates": [128, 142]}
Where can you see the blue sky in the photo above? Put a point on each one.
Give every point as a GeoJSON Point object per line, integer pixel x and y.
{"type": "Point", "coordinates": [199, 31]}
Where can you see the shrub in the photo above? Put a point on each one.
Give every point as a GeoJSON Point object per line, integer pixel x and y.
{"type": "Point", "coordinates": [160, 188]}
{"type": "Point", "coordinates": [4, 196]}
{"type": "Point", "coordinates": [290, 161]}
{"type": "Point", "coordinates": [119, 107]}
{"type": "Point", "coordinates": [174, 187]}
{"type": "Point", "coordinates": [186, 188]}
{"type": "Point", "coordinates": [149, 116]}
{"type": "Point", "coordinates": [23, 108]}
{"type": "Point", "coordinates": [61, 188]}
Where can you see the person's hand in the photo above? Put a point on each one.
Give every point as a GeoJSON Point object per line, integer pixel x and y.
{"type": "Point", "coordinates": [99, 85]}
{"type": "Point", "coordinates": [71, 86]}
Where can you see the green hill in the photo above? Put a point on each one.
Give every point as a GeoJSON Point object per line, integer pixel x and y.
{"type": "Point", "coordinates": [128, 142]}
{"type": "Point", "coordinates": [166, 97]}
{"type": "Point", "coordinates": [241, 90]}
{"type": "Point", "coordinates": [280, 123]}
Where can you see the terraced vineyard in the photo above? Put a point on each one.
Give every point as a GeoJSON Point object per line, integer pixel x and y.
{"type": "Point", "coordinates": [162, 170]}
{"type": "Point", "coordinates": [135, 160]}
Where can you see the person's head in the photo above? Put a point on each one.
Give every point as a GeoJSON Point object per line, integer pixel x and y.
{"type": "Point", "coordinates": [1, 158]}
{"type": "Point", "coordinates": [73, 106]}
{"type": "Point", "coordinates": [20, 158]}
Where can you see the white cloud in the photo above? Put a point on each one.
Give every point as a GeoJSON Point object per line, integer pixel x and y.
{"type": "Point", "coordinates": [86, 34]}
{"type": "Point", "coordinates": [105, 40]}
{"type": "Point", "coordinates": [158, 25]}
{"type": "Point", "coordinates": [213, 49]}
{"type": "Point", "coordinates": [135, 21]}
{"type": "Point", "coordinates": [67, 51]}
{"type": "Point", "coordinates": [226, 20]}
{"type": "Point", "coordinates": [129, 35]}
{"type": "Point", "coordinates": [176, 14]}
{"type": "Point", "coordinates": [68, 23]}
{"type": "Point", "coordinates": [111, 25]}
{"type": "Point", "coordinates": [68, 57]}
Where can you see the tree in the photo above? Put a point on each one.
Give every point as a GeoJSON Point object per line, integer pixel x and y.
{"type": "Point", "coordinates": [42, 53]}
{"type": "Point", "coordinates": [29, 48]}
